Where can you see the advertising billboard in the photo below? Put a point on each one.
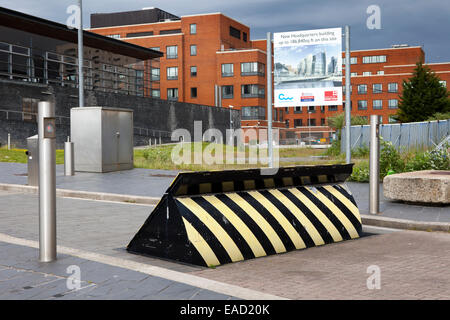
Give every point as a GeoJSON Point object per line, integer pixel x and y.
{"type": "Point", "coordinates": [308, 68]}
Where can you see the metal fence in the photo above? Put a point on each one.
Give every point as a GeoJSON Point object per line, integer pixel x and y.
{"type": "Point", "coordinates": [407, 135]}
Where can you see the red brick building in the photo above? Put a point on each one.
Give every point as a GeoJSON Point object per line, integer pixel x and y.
{"type": "Point", "coordinates": [210, 52]}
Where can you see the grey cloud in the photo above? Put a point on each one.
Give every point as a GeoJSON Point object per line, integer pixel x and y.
{"type": "Point", "coordinates": [416, 22]}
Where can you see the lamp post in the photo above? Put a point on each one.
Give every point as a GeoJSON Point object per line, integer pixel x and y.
{"type": "Point", "coordinates": [80, 58]}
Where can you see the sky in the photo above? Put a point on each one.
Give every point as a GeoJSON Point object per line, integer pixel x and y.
{"type": "Point", "coordinates": [415, 22]}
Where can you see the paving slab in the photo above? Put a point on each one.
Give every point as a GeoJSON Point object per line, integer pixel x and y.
{"type": "Point", "coordinates": [34, 280]}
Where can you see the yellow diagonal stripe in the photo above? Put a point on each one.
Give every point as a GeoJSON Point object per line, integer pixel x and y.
{"type": "Point", "coordinates": [318, 214]}
{"type": "Point", "coordinates": [221, 235]}
{"type": "Point", "coordinates": [309, 227]}
{"type": "Point", "coordinates": [240, 226]}
{"type": "Point", "coordinates": [201, 245]}
{"type": "Point", "coordinates": [260, 221]}
{"type": "Point", "coordinates": [337, 212]}
{"type": "Point", "coordinates": [285, 224]}
{"type": "Point", "coordinates": [350, 205]}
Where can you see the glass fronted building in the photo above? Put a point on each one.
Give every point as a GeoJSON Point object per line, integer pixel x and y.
{"type": "Point", "coordinates": [40, 51]}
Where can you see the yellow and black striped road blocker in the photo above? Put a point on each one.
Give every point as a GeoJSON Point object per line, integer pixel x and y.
{"type": "Point", "coordinates": [216, 217]}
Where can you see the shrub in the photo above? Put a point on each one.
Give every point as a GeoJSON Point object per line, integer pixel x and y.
{"type": "Point", "coordinates": [360, 172]}
{"type": "Point", "coordinates": [334, 149]}
{"type": "Point", "coordinates": [390, 159]}
{"type": "Point", "coordinates": [361, 152]}
{"type": "Point", "coordinates": [429, 160]}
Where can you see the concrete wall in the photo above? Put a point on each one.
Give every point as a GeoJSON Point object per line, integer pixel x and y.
{"type": "Point", "coordinates": [150, 114]}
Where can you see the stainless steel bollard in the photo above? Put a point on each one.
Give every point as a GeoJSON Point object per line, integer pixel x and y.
{"type": "Point", "coordinates": [47, 181]}
{"type": "Point", "coordinates": [69, 163]}
{"type": "Point", "coordinates": [374, 166]}
{"type": "Point", "coordinates": [9, 141]}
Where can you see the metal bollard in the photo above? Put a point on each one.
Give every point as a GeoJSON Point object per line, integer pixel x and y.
{"type": "Point", "coordinates": [374, 166]}
{"type": "Point", "coordinates": [9, 141]}
{"type": "Point", "coordinates": [47, 181]}
{"type": "Point", "coordinates": [69, 163]}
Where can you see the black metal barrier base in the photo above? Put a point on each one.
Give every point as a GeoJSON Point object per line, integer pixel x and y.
{"type": "Point", "coordinates": [213, 218]}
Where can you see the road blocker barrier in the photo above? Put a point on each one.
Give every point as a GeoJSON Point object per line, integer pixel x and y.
{"type": "Point", "coordinates": [217, 217]}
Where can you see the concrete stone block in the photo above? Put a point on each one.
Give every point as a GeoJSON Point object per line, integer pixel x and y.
{"type": "Point", "coordinates": [428, 186]}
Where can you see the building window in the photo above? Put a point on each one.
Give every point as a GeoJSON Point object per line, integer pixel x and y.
{"type": "Point", "coordinates": [227, 70]}
{"type": "Point", "coordinates": [322, 121]}
{"type": "Point", "coordinates": [297, 123]}
{"type": "Point", "coordinates": [443, 83]}
{"type": "Point", "coordinates": [244, 36]}
{"type": "Point", "coordinates": [172, 94]}
{"type": "Point", "coordinates": [374, 59]}
{"type": "Point", "coordinates": [193, 28]}
{"type": "Point", "coordinates": [114, 36]}
{"type": "Point", "coordinates": [227, 92]}
{"type": "Point", "coordinates": [322, 109]}
{"type": "Point", "coordinates": [252, 91]}
{"type": "Point", "coordinates": [393, 103]}
{"type": "Point", "coordinates": [139, 34]}
{"type": "Point", "coordinates": [193, 50]}
{"type": "Point", "coordinates": [156, 93]}
{"type": "Point", "coordinates": [235, 33]}
{"type": "Point", "coordinates": [353, 60]}
{"type": "Point", "coordinates": [343, 89]}
{"type": "Point", "coordinates": [332, 108]}
{"type": "Point", "coordinates": [155, 48]}
{"type": "Point", "coordinates": [362, 104]}
{"type": "Point", "coordinates": [297, 109]}
{"type": "Point", "coordinates": [193, 92]}
{"type": "Point", "coordinates": [362, 88]}
{"type": "Point", "coordinates": [312, 122]}
{"type": "Point", "coordinates": [193, 71]}
{"type": "Point", "coordinates": [172, 73]}
{"type": "Point", "coordinates": [280, 115]}
{"type": "Point", "coordinates": [367, 73]}
{"type": "Point", "coordinates": [286, 123]}
{"type": "Point", "coordinates": [172, 31]}
{"type": "Point", "coordinates": [253, 113]}
{"type": "Point", "coordinates": [377, 88]}
{"type": "Point", "coordinates": [380, 72]}
{"type": "Point", "coordinates": [393, 87]}
{"type": "Point", "coordinates": [155, 74]}
{"type": "Point", "coordinates": [380, 119]}
{"type": "Point", "coordinates": [286, 109]}
{"type": "Point", "coordinates": [353, 74]}
{"type": "Point", "coordinates": [252, 69]}
{"type": "Point", "coordinates": [311, 109]}
{"type": "Point", "coordinates": [377, 104]}
{"type": "Point", "coordinates": [171, 52]}
{"type": "Point", "coordinates": [351, 105]}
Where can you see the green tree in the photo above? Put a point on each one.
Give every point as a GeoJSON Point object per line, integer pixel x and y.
{"type": "Point", "coordinates": [337, 122]}
{"type": "Point", "coordinates": [423, 95]}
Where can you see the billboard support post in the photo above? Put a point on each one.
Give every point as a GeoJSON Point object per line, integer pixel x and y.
{"type": "Point", "coordinates": [348, 102]}
{"type": "Point", "coordinates": [269, 99]}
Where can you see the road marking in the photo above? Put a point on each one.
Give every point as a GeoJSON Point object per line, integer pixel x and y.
{"type": "Point", "coordinates": [192, 280]}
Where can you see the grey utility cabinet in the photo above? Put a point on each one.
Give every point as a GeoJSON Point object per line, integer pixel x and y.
{"type": "Point", "coordinates": [103, 138]}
